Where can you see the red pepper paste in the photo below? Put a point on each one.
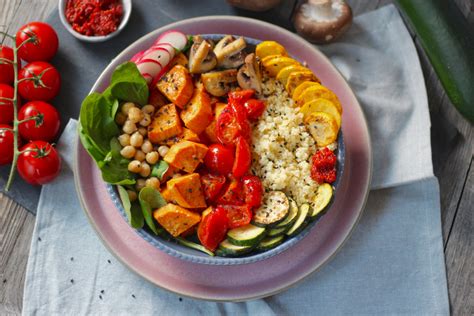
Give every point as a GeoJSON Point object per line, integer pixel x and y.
{"type": "Point", "coordinates": [94, 17]}
{"type": "Point", "coordinates": [323, 169]}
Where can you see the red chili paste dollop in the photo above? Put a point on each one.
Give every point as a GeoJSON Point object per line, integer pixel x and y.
{"type": "Point", "coordinates": [94, 17]}
{"type": "Point", "coordinates": [324, 166]}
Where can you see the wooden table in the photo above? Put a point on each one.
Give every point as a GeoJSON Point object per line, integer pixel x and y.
{"type": "Point", "coordinates": [452, 142]}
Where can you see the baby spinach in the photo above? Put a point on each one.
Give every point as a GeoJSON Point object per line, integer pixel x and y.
{"type": "Point", "coordinates": [160, 169]}
{"type": "Point", "coordinates": [133, 211]}
{"type": "Point", "coordinates": [128, 84]}
{"type": "Point", "coordinates": [114, 167]}
{"type": "Point", "coordinates": [150, 199]}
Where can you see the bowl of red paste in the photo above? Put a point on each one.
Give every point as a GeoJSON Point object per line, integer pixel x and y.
{"type": "Point", "coordinates": [94, 21]}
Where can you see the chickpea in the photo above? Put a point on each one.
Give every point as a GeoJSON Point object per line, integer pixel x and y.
{"type": "Point", "coordinates": [128, 152]}
{"type": "Point", "coordinates": [143, 131]}
{"type": "Point", "coordinates": [145, 170]}
{"type": "Point", "coordinates": [146, 120]}
{"type": "Point", "coordinates": [152, 157]}
{"type": "Point", "coordinates": [126, 107]}
{"type": "Point", "coordinates": [139, 155]}
{"type": "Point", "coordinates": [136, 139]}
{"type": "Point", "coordinates": [147, 146]}
{"type": "Point", "coordinates": [148, 109]}
{"type": "Point", "coordinates": [124, 140]}
{"type": "Point", "coordinates": [163, 150]}
{"type": "Point", "coordinates": [153, 182]}
{"type": "Point", "coordinates": [140, 184]}
{"type": "Point", "coordinates": [135, 166]}
{"type": "Point", "coordinates": [132, 195]}
{"type": "Point", "coordinates": [129, 127]}
{"type": "Point", "coordinates": [120, 118]}
{"type": "Point", "coordinates": [135, 115]}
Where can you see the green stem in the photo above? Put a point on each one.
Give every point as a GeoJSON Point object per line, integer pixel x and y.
{"type": "Point", "coordinates": [6, 129]}
{"type": "Point", "coordinates": [4, 60]}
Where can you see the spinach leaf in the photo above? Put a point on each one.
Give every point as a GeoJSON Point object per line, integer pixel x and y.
{"type": "Point", "coordinates": [114, 167]}
{"type": "Point", "coordinates": [133, 211]}
{"type": "Point", "coordinates": [90, 146]}
{"type": "Point", "coordinates": [128, 84]}
{"type": "Point", "coordinates": [160, 169]}
{"type": "Point", "coordinates": [150, 199]}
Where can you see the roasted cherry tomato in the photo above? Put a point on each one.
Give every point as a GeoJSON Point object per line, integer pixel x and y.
{"type": "Point", "coordinates": [6, 144]}
{"type": "Point", "coordinates": [227, 129]}
{"type": "Point", "coordinates": [213, 228]}
{"type": "Point", "coordinates": [43, 83]}
{"type": "Point", "coordinates": [237, 215]}
{"type": "Point", "coordinates": [49, 122]}
{"type": "Point", "coordinates": [243, 158]}
{"type": "Point", "coordinates": [253, 190]}
{"type": "Point", "coordinates": [6, 69]}
{"type": "Point", "coordinates": [254, 108]}
{"type": "Point", "coordinates": [42, 42]}
{"type": "Point", "coordinates": [6, 107]}
{"type": "Point", "coordinates": [212, 185]}
{"type": "Point", "coordinates": [40, 163]}
{"type": "Point", "coordinates": [233, 194]}
{"type": "Point", "coordinates": [324, 166]}
{"type": "Point", "coordinates": [241, 118]}
{"type": "Point", "coordinates": [241, 96]}
{"type": "Point", "coordinates": [219, 159]}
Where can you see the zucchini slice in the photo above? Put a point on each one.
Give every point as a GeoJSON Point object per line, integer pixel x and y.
{"type": "Point", "coordinates": [194, 245]}
{"type": "Point", "coordinates": [300, 220]}
{"type": "Point", "coordinates": [270, 242]}
{"type": "Point", "coordinates": [291, 217]}
{"type": "Point", "coordinates": [322, 200]}
{"type": "Point", "coordinates": [226, 249]}
{"type": "Point", "coordinates": [277, 231]}
{"type": "Point", "coordinates": [274, 209]}
{"type": "Point", "coordinates": [248, 235]}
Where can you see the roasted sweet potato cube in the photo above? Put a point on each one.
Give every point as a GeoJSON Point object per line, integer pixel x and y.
{"type": "Point", "coordinates": [177, 85]}
{"type": "Point", "coordinates": [186, 191]}
{"type": "Point", "coordinates": [175, 219]}
{"type": "Point", "coordinates": [166, 194]}
{"type": "Point", "coordinates": [165, 124]}
{"type": "Point", "coordinates": [156, 98]}
{"type": "Point", "coordinates": [186, 155]}
{"type": "Point", "coordinates": [197, 114]}
{"type": "Point", "coordinates": [187, 134]}
{"type": "Point", "coordinates": [210, 131]}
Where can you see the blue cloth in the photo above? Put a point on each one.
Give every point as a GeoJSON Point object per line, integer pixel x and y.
{"type": "Point", "coordinates": [392, 264]}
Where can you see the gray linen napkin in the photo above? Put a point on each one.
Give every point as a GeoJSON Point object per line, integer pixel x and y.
{"type": "Point", "coordinates": [392, 264]}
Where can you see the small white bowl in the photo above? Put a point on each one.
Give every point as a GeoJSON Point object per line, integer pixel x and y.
{"type": "Point", "coordinates": [127, 10]}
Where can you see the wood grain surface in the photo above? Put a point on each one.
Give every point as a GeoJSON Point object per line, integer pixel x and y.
{"type": "Point", "coordinates": [452, 146]}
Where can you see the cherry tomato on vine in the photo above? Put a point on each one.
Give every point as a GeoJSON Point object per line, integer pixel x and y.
{"type": "Point", "coordinates": [219, 159]}
{"type": "Point", "coordinates": [6, 144]}
{"type": "Point", "coordinates": [43, 83]}
{"type": "Point", "coordinates": [43, 42]}
{"type": "Point", "coordinates": [6, 69]}
{"type": "Point", "coordinates": [49, 122]}
{"type": "Point", "coordinates": [6, 107]}
{"type": "Point", "coordinates": [40, 163]}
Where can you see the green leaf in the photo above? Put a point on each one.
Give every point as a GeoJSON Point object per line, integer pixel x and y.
{"type": "Point", "coordinates": [89, 145]}
{"type": "Point", "coordinates": [128, 84]}
{"type": "Point", "coordinates": [133, 211]}
{"type": "Point", "coordinates": [160, 169]}
{"type": "Point", "coordinates": [115, 168]}
{"type": "Point", "coordinates": [150, 199]}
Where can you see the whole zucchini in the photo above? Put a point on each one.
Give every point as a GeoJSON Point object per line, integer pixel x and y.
{"type": "Point", "coordinates": [448, 41]}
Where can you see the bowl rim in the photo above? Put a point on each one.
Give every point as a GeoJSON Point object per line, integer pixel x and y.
{"type": "Point", "coordinates": [127, 6]}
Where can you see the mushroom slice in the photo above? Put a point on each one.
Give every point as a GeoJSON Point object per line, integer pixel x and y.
{"type": "Point", "coordinates": [201, 57]}
{"type": "Point", "coordinates": [218, 83]}
{"type": "Point", "coordinates": [322, 21]}
{"type": "Point", "coordinates": [249, 75]}
{"type": "Point", "coordinates": [229, 52]}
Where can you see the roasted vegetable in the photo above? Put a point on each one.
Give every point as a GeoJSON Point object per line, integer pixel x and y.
{"type": "Point", "coordinates": [298, 77]}
{"type": "Point", "coordinates": [249, 76]}
{"type": "Point", "coordinates": [274, 65]}
{"type": "Point", "coordinates": [301, 87]}
{"type": "Point", "coordinates": [179, 59]}
{"type": "Point", "coordinates": [177, 85]}
{"type": "Point", "coordinates": [218, 83]}
{"type": "Point", "coordinates": [229, 52]}
{"type": "Point", "coordinates": [165, 124]}
{"type": "Point", "coordinates": [285, 72]}
{"type": "Point", "coordinates": [201, 56]}
{"type": "Point", "coordinates": [268, 48]}
{"type": "Point", "coordinates": [156, 98]}
{"type": "Point", "coordinates": [186, 191]}
{"type": "Point", "coordinates": [210, 131]}
{"type": "Point", "coordinates": [175, 219]}
{"type": "Point", "coordinates": [197, 114]}
{"type": "Point", "coordinates": [316, 92]}
{"type": "Point", "coordinates": [186, 155]}
{"type": "Point", "coordinates": [322, 127]}
{"type": "Point", "coordinates": [322, 105]}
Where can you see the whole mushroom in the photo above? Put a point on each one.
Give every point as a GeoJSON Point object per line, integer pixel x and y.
{"type": "Point", "coordinates": [322, 21]}
{"type": "Point", "coordinates": [254, 5]}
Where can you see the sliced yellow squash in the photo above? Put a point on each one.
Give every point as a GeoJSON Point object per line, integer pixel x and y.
{"type": "Point", "coordinates": [267, 58]}
{"type": "Point", "coordinates": [285, 72]}
{"type": "Point", "coordinates": [322, 127]}
{"type": "Point", "coordinates": [274, 65]}
{"type": "Point", "coordinates": [321, 105]}
{"type": "Point", "coordinates": [303, 86]}
{"type": "Point", "coordinates": [298, 77]}
{"type": "Point", "coordinates": [315, 92]}
{"type": "Point", "coordinates": [267, 48]}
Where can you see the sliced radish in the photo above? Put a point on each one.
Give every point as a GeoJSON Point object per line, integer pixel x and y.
{"type": "Point", "coordinates": [177, 39]}
{"type": "Point", "coordinates": [137, 56]}
{"type": "Point", "coordinates": [149, 68]}
{"type": "Point", "coordinates": [153, 61]}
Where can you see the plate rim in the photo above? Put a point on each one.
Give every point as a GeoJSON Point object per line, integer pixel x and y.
{"type": "Point", "coordinates": [347, 87]}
